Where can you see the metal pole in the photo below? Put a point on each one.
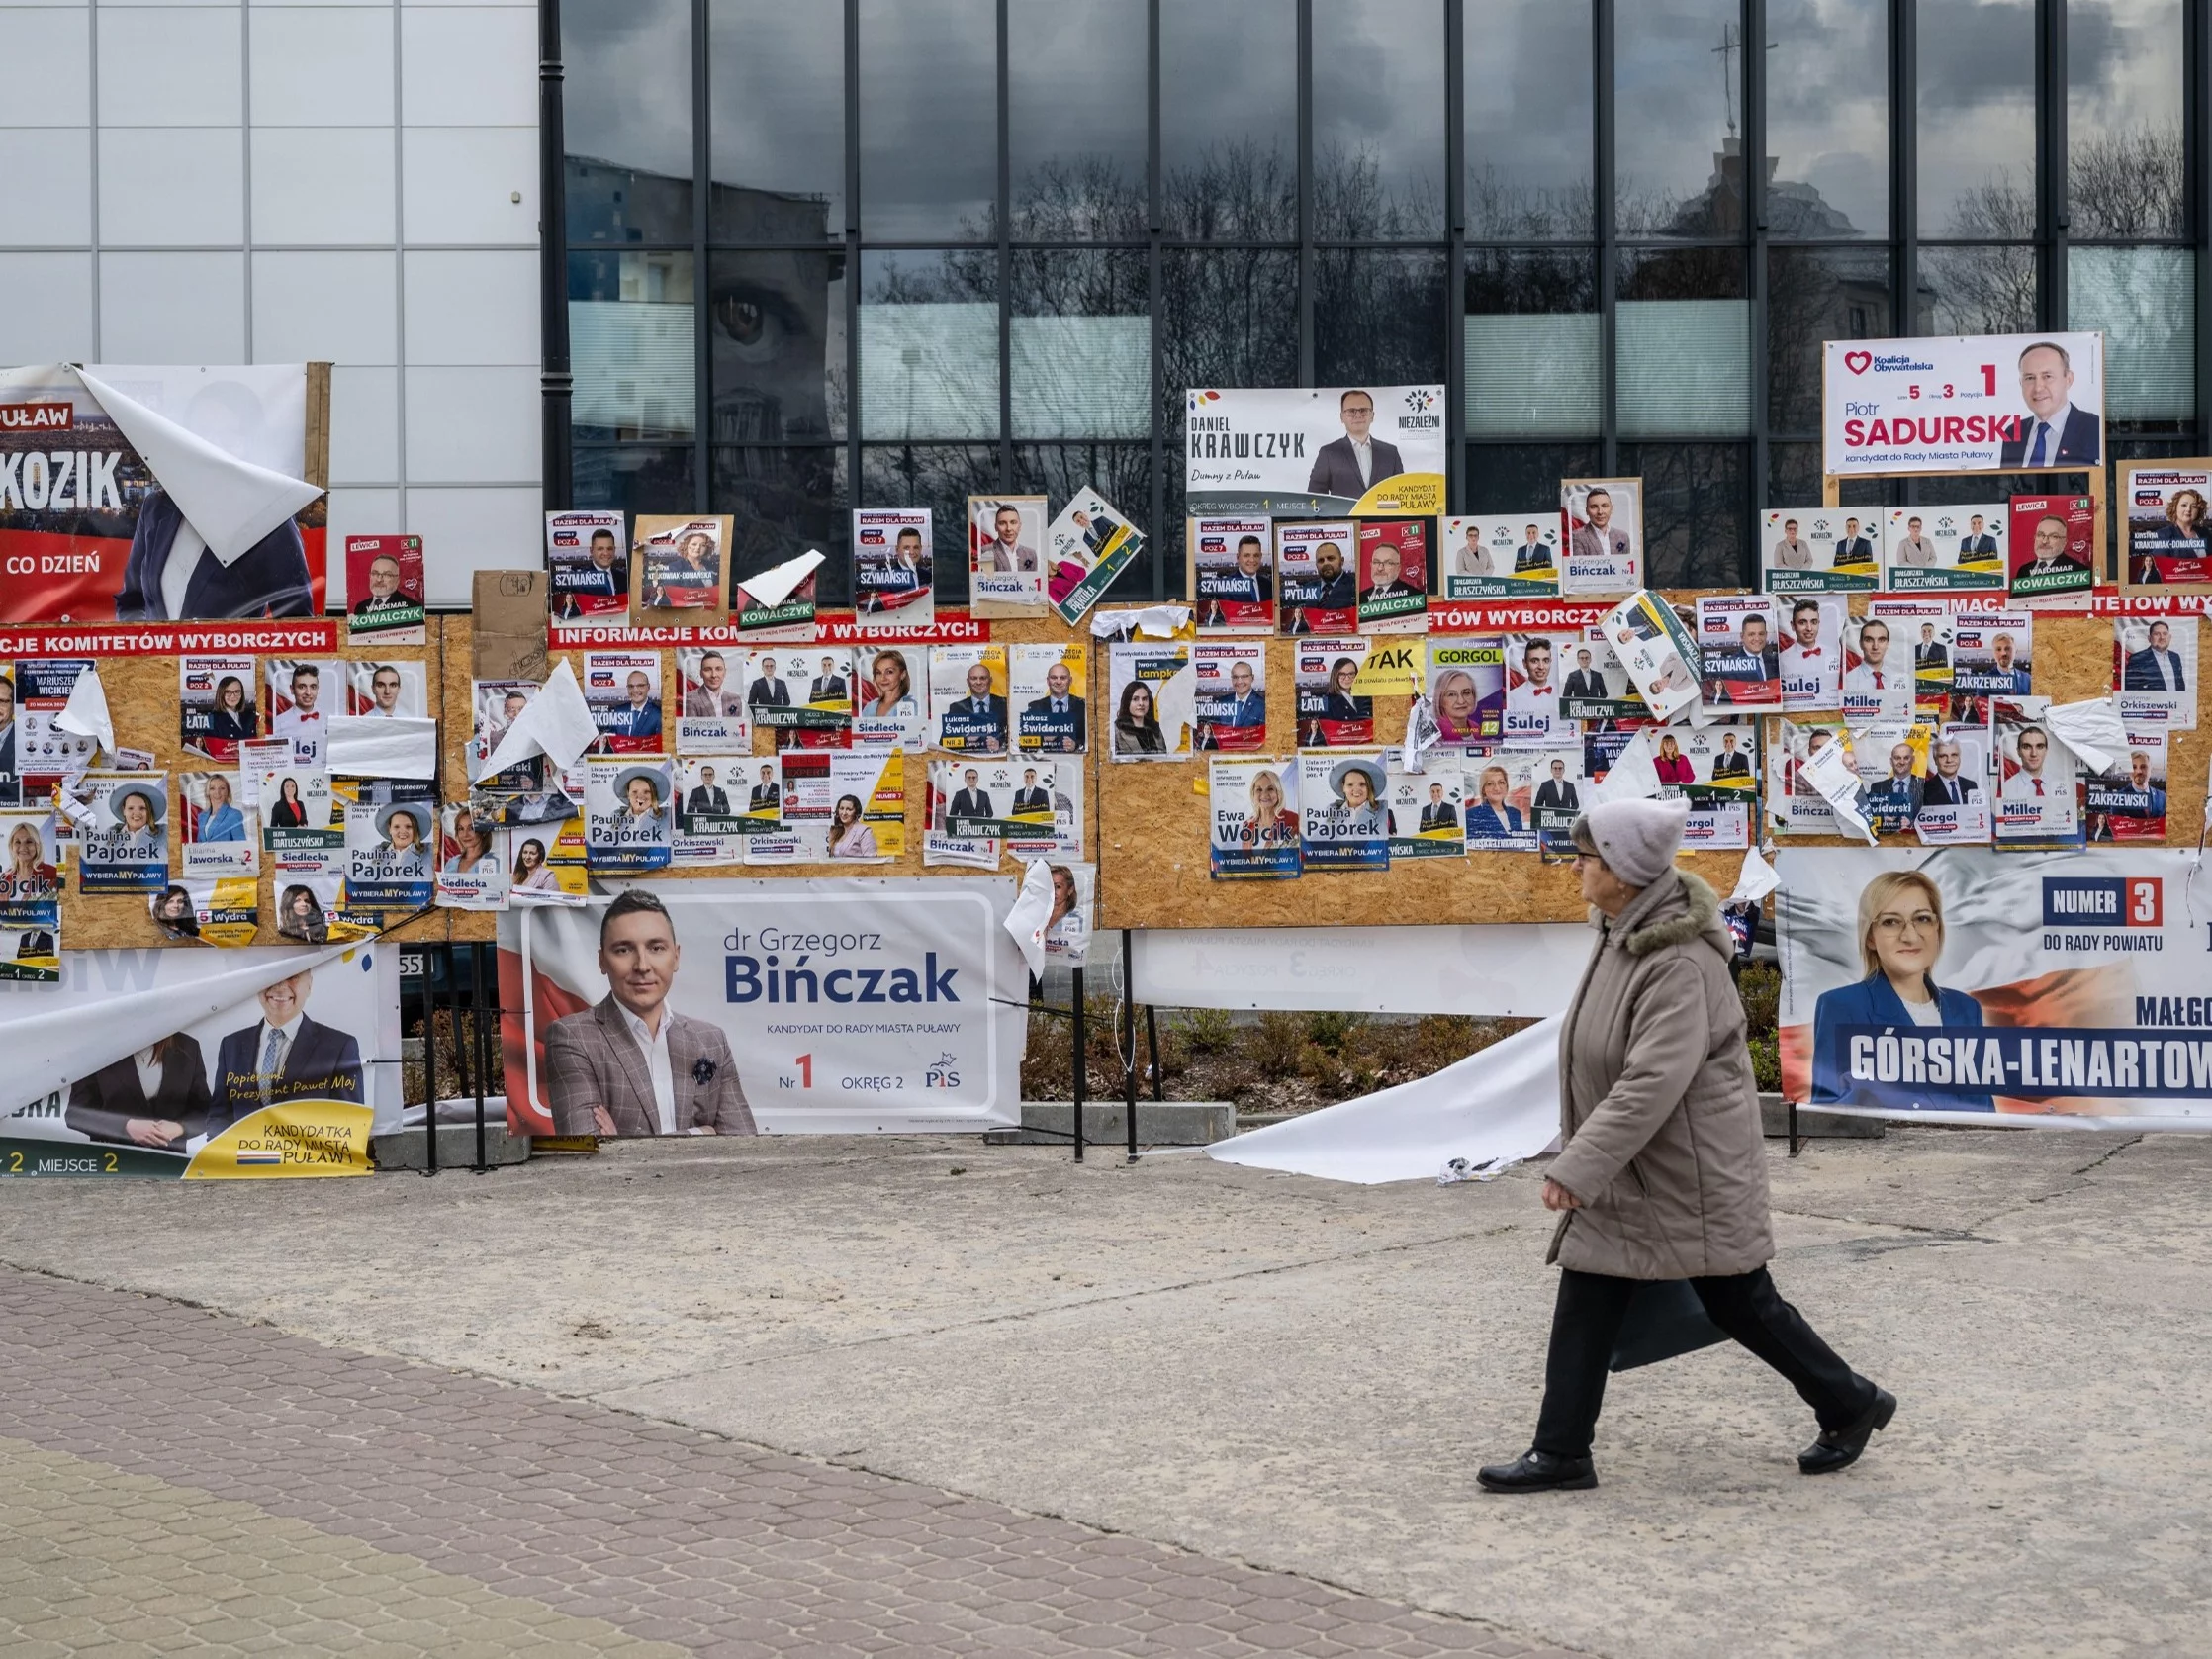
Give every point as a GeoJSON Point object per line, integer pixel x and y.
{"type": "Point", "coordinates": [1792, 1107]}
{"type": "Point", "coordinates": [482, 1046]}
{"type": "Point", "coordinates": [555, 383]}
{"type": "Point", "coordinates": [429, 1063]}
{"type": "Point", "coordinates": [1129, 1044]}
{"type": "Point", "coordinates": [1151, 1042]}
{"type": "Point", "coordinates": [1082, 1064]}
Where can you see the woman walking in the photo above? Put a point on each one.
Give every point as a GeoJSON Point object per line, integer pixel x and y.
{"type": "Point", "coordinates": [1664, 1172]}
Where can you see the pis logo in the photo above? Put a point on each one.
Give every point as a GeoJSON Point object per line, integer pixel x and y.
{"type": "Point", "coordinates": [940, 1074]}
{"type": "Point", "coordinates": [2103, 902]}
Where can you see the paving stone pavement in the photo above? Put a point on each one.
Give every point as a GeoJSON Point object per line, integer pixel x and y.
{"type": "Point", "coordinates": [174, 1480]}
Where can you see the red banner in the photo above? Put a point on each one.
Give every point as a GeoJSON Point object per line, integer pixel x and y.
{"type": "Point", "coordinates": [1519, 616]}
{"type": "Point", "coordinates": [951, 627]}
{"type": "Point", "coordinates": [302, 638]}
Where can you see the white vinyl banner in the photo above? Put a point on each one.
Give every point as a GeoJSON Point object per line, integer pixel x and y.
{"type": "Point", "coordinates": [848, 1007]}
{"type": "Point", "coordinates": [1516, 971]}
{"type": "Point", "coordinates": [1315, 451]}
{"type": "Point", "coordinates": [151, 1063]}
{"type": "Point", "coordinates": [1971, 404]}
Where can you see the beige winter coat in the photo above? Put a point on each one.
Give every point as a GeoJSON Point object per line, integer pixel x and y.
{"type": "Point", "coordinates": [1658, 1110]}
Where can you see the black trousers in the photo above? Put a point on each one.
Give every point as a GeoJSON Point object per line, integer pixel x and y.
{"type": "Point", "coordinates": [1587, 1319]}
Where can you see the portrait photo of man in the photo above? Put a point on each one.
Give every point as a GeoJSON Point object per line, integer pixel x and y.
{"type": "Point", "coordinates": [1006, 554]}
{"type": "Point", "coordinates": [712, 698]}
{"type": "Point", "coordinates": [1872, 674]}
{"type": "Point", "coordinates": [1558, 791]}
{"type": "Point", "coordinates": [2055, 433]}
{"type": "Point", "coordinates": [707, 798]}
{"type": "Point", "coordinates": [970, 800]}
{"type": "Point", "coordinates": [1383, 566]}
{"type": "Point", "coordinates": [766, 792]}
{"type": "Point", "coordinates": [384, 589]}
{"type": "Point", "coordinates": [2052, 555]}
{"type": "Point", "coordinates": [1731, 761]}
{"type": "Point", "coordinates": [829, 685]}
{"type": "Point", "coordinates": [1930, 652]}
{"type": "Point", "coordinates": [1978, 542]}
{"type": "Point", "coordinates": [769, 689]}
{"type": "Point", "coordinates": [1753, 641]}
{"type": "Point", "coordinates": [1356, 461]}
{"type": "Point", "coordinates": [1031, 797]}
{"type": "Point", "coordinates": [1535, 553]}
{"type": "Point", "coordinates": [282, 1056]}
{"type": "Point", "coordinates": [1597, 536]}
{"type": "Point", "coordinates": [1945, 785]}
{"type": "Point", "coordinates": [1438, 813]}
{"type": "Point", "coordinates": [174, 576]}
{"type": "Point", "coordinates": [1058, 706]}
{"type": "Point", "coordinates": [2033, 748]}
{"type": "Point", "coordinates": [384, 692]}
{"type": "Point", "coordinates": [1584, 680]}
{"type": "Point", "coordinates": [631, 1064]}
{"type": "Point", "coordinates": [2003, 676]}
{"type": "Point", "coordinates": [1853, 550]}
{"type": "Point", "coordinates": [2158, 666]}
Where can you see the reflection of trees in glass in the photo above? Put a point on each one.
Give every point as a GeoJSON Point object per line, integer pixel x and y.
{"type": "Point", "coordinates": [2125, 184]}
{"type": "Point", "coordinates": [1509, 281]}
{"type": "Point", "coordinates": [1353, 202]}
{"type": "Point", "coordinates": [940, 477]}
{"type": "Point", "coordinates": [1227, 317]}
{"type": "Point", "coordinates": [1236, 192]}
{"type": "Point", "coordinates": [1378, 317]}
{"type": "Point", "coordinates": [1813, 296]}
{"type": "Point", "coordinates": [1079, 199]}
{"type": "Point", "coordinates": [1692, 514]}
{"type": "Point", "coordinates": [1499, 210]}
{"type": "Point", "coordinates": [783, 502]}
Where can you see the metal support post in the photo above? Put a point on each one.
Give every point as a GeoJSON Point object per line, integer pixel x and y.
{"type": "Point", "coordinates": [1082, 1064]}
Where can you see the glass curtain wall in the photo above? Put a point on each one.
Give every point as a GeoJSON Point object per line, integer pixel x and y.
{"type": "Point", "coordinates": [954, 247]}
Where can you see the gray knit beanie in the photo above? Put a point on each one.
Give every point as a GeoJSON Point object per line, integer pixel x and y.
{"type": "Point", "coordinates": [1637, 839]}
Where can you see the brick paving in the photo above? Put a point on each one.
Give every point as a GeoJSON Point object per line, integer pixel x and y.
{"type": "Point", "coordinates": [173, 1480]}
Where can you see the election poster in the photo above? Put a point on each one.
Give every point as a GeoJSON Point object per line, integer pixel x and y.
{"type": "Point", "coordinates": [1089, 545]}
{"type": "Point", "coordinates": [550, 864]}
{"type": "Point", "coordinates": [760, 811]}
{"type": "Point", "coordinates": [218, 704]}
{"type": "Point", "coordinates": [1658, 650]}
{"type": "Point", "coordinates": [1393, 575]}
{"type": "Point", "coordinates": [821, 678]}
{"type": "Point", "coordinates": [814, 1005]}
{"type": "Point", "coordinates": [1231, 683]}
{"type": "Point", "coordinates": [1604, 534]}
{"type": "Point", "coordinates": [804, 779]}
{"type": "Point", "coordinates": [1984, 402]}
{"type": "Point", "coordinates": [891, 568]}
{"type": "Point", "coordinates": [893, 691]}
{"type": "Point", "coordinates": [1597, 687]}
{"type": "Point", "coordinates": [1005, 564]}
{"type": "Point", "coordinates": [2053, 550]}
{"type": "Point", "coordinates": [776, 685]}
{"type": "Point", "coordinates": [311, 907]}
{"type": "Point", "coordinates": [1795, 804]}
{"type": "Point", "coordinates": [778, 603]}
{"type": "Point", "coordinates": [45, 754]}
{"type": "Point", "coordinates": [1947, 549]}
{"type": "Point", "coordinates": [1955, 793]}
{"type": "Point", "coordinates": [710, 716]}
{"type": "Point", "coordinates": [2127, 804]}
{"type": "Point", "coordinates": [219, 834]}
{"type": "Point", "coordinates": [1232, 575]}
{"type": "Point", "coordinates": [1963, 983]}
{"type": "Point", "coordinates": [1878, 683]}
{"type": "Point", "coordinates": [1062, 836]}
{"type": "Point", "coordinates": [1465, 686]}
{"type": "Point", "coordinates": [222, 911]}
{"type": "Point", "coordinates": [2154, 668]}
{"type": "Point", "coordinates": [2168, 516]}
{"type": "Point", "coordinates": [1392, 667]}
{"type": "Point", "coordinates": [1343, 824]}
{"type": "Point", "coordinates": [1722, 763]}
{"type": "Point", "coordinates": [303, 827]}
{"type": "Point", "coordinates": [1821, 549]}
{"type": "Point", "coordinates": [679, 570]}
{"type": "Point", "coordinates": [1501, 791]}
{"type": "Point", "coordinates": [1991, 656]}
{"type": "Point", "coordinates": [384, 591]}
{"type": "Point", "coordinates": [1811, 655]}
{"type": "Point", "coordinates": [1152, 688]}
{"type": "Point", "coordinates": [302, 696]}
{"type": "Point", "coordinates": [1555, 786]}
{"type": "Point", "coordinates": [1050, 683]}
{"type": "Point", "coordinates": [1422, 811]}
{"type": "Point", "coordinates": [31, 899]}
{"type": "Point", "coordinates": [994, 799]}
{"type": "Point", "coordinates": [1072, 918]}
{"type": "Point", "coordinates": [867, 812]}
{"type": "Point", "coordinates": [2037, 779]}
{"type": "Point", "coordinates": [124, 849]}
{"type": "Point", "coordinates": [589, 568]}
{"type": "Point", "coordinates": [623, 691]}
{"type": "Point", "coordinates": [496, 705]}
{"type": "Point", "coordinates": [1331, 713]}
{"type": "Point", "coordinates": [1500, 556]}
{"type": "Point", "coordinates": [1893, 761]}
{"type": "Point", "coordinates": [967, 694]}
{"type": "Point", "coordinates": [104, 469]}
{"type": "Point", "coordinates": [1319, 585]}
{"type": "Point", "coordinates": [387, 690]}
{"type": "Point", "coordinates": [1256, 824]}
{"type": "Point", "coordinates": [1375, 450]}
{"type": "Point", "coordinates": [709, 803]}
{"type": "Point", "coordinates": [269, 1062]}
{"type": "Point", "coordinates": [1532, 717]}
{"type": "Point", "coordinates": [626, 813]}
{"type": "Point", "coordinates": [475, 851]}
{"type": "Point", "coordinates": [1926, 626]}
{"type": "Point", "coordinates": [389, 850]}
{"type": "Point", "coordinates": [1740, 660]}
{"type": "Point", "coordinates": [1725, 828]}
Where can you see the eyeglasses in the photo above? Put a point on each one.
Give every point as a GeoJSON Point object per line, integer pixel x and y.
{"type": "Point", "coordinates": [1923, 921]}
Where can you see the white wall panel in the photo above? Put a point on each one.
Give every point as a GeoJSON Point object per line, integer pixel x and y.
{"type": "Point", "coordinates": [293, 201]}
{"type": "Point", "coordinates": [364, 426]}
{"type": "Point", "coordinates": [45, 308]}
{"type": "Point", "coordinates": [59, 41]}
{"type": "Point", "coordinates": [172, 307]}
{"type": "Point", "coordinates": [468, 66]}
{"type": "Point", "coordinates": [171, 67]}
{"type": "Point", "coordinates": [469, 425]}
{"type": "Point", "coordinates": [335, 307]}
{"type": "Point", "coordinates": [472, 308]}
{"type": "Point", "coordinates": [49, 186]}
{"type": "Point", "coordinates": [172, 186]}
{"type": "Point", "coordinates": [321, 66]}
{"type": "Point", "coordinates": [461, 184]}
{"type": "Point", "coordinates": [467, 530]}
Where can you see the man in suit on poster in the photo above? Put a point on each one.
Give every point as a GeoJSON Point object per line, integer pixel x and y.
{"type": "Point", "coordinates": [2054, 434]}
{"type": "Point", "coordinates": [171, 574]}
{"type": "Point", "coordinates": [1930, 653]}
{"type": "Point", "coordinates": [1558, 790]}
{"type": "Point", "coordinates": [282, 1056]}
{"type": "Point", "coordinates": [767, 792]}
{"type": "Point", "coordinates": [1359, 461]}
{"type": "Point", "coordinates": [1532, 554]}
{"type": "Point", "coordinates": [770, 689]}
{"type": "Point", "coordinates": [631, 1064]}
{"type": "Point", "coordinates": [711, 698]}
{"type": "Point", "coordinates": [1853, 550]}
{"type": "Point", "coordinates": [1436, 812]}
{"type": "Point", "coordinates": [1978, 542]}
{"type": "Point", "coordinates": [1731, 761]}
{"type": "Point", "coordinates": [1058, 709]}
{"type": "Point", "coordinates": [2157, 668]}
{"type": "Point", "coordinates": [1944, 784]}
{"type": "Point", "coordinates": [969, 802]}
{"type": "Point", "coordinates": [706, 798]}
{"type": "Point", "coordinates": [1031, 798]}
{"type": "Point", "coordinates": [1752, 641]}
{"type": "Point", "coordinates": [1584, 681]}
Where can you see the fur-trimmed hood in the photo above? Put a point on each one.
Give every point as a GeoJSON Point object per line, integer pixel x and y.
{"type": "Point", "coordinates": [1678, 907]}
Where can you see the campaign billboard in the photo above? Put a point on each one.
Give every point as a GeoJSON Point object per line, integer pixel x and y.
{"type": "Point", "coordinates": [1967, 403]}
{"type": "Point", "coordinates": [1315, 451]}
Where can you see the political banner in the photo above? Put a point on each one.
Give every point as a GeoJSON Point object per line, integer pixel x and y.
{"type": "Point", "coordinates": [1820, 549]}
{"type": "Point", "coordinates": [266, 1062]}
{"type": "Point", "coordinates": [2168, 516]}
{"type": "Point", "coordinates": [807, 1006]}
{"type": "Point", "coordinates": [1946, 549]}
{"type": "Point", "coordinates": [590, 566]}
{"type": "Point", "coordinates": [31, 899]}
{"type": "Point", "coordinates": [1153, 691]}
{"type": "Point", "coordinates": [1967, 984]}
{"type": "Point", "coordinates": [220, 835]}
{"type": "Point", "coordinates": [1314, 450]}
{"type": "Point", "coordinates": [125, 846]}
{"type": "Point", "coordinates": [384, 591]}
{"type": "Point", "coordinates": [474, 852]}
{"type": "Point", "coordinates": [389, 851]}
{"type": "Point", "coordinates": [1234, 575]}
{"type": "Point", "coordinates": [622, 689]}
{"type": "Point", "coordinates": [1502, 556]}
{"type": "Point", "coordinates": [1977, 404]}
{"type": "Point", "coordinates": [1954, 794]}
{"type": "Point", "coordinates": [868, 811]}
{"type": "Point", "coordinates": [45, 754]}
{"type": "Point", "coordinates": [1255, 825]}
{"type": "Point", "coordinates": [103, 468]}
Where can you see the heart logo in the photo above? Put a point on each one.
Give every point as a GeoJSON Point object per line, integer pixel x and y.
{"type": "Point", "coordinates": [1858, 361]}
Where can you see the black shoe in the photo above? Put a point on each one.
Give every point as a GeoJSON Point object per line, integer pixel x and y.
{"type": "Point", "coordinates": [1839, 1449]}
{"type": "Point", "coordinates": [1539, 1471]}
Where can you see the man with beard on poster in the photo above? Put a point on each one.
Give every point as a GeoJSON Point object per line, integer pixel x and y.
{"type": "Point", "coordinates": [631, 1064]}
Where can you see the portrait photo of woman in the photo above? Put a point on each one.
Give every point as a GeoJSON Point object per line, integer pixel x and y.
{"type": "Point", "coordinates": [219, 820]}
{"type": "Point", "coordinates": [288, 812]}
{"type": "Point", "coordinates": [471, 847]}
{"type": "Point", "coordinates": [29, 875]}
{"type": "Point", "coordinates": [1455, 701]}
{"type": "Point", "coordinates": [532, 874]}
{"type": "Point", "coordinates": [300, 916]}
{"type": "Point", "coordinates": [173, 911]}
{"type": "Point", "coordinates": [1901, 942]}
{"type": "Point", "coordinates": [893, 682]}
{"type": "Point", "coordinates": [1272, 823]}
{"type": "Point", "coordinates": [1672, 766]}
{"type": "Point", "coordinates": [849, 837]}
{"type": "Point", "coordinates": [1493, 817]}
{"type": "Point", "coordinates": [1357, 807]}
{"type": "Point", "coordinates": [235, 719]}
{"type": "Point", "coordinates": [1136, 724]}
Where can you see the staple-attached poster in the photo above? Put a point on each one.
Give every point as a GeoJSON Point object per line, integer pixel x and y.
{"type": "Point", "coordinates": [384, 591]}
{"type": "Point", "coordinates": [550, 865]}
{"type": "Point", "coordinates": [589, 566]}
{"type": "Point", "coordinates": [1422, 809]}
{"type": "Point", "coordinates": [37, 690]}
{"type": "Point", "coordinates": [220, 707]}
{"type": "Point", "coordinates": [628, 818]}
{"type": "Point", "coordinates": [390, 850]}
{"type": "Point", "coordinates": [157, 494]}
{"type": "Point", "coordinates": [219, 834]}
{"type": "Point", "coordinates": [1947, 549]}
{"type": "Point", "coordinates": [1234, 575]}
{"type": "Point", "coordinates": [31, 899]}
{"type": "Point", "coordinates": [1532, 717]}
{"type": "Point", "coordinates": [1151, 687]}
{"type": "Point", "coordinates": [1722, 765]}
{"type": "Point", "coordinates": [2169, 509]}
{"type": "Point", "coordinates": [302, 825]}
{"type": "Point", "coordinates": [1331, 714]}
{"type": "Point", "coordinates": [1501, 795]}
{"type": "Point", "coordinates": [1740, 650]}
{"type": "Point", "coordinates": [1993, 656]}
{"type": "Point", "coordinates": [1393, 575]}
{"type": "Point", "coordinates": [2154, 668]}
{"type": "Point", "coordinates": [496, 705]}
{"type": "Point", "coordinates": [1659, 651]}
{"type": "Point", "coordinates": [893, 568]}
{"type": "Point", "coordinates": [1892, 758]}
{"type": "Point", "coordinates": [1604, 534]}
{"type": "Point", "coordinates": [1314, 450]}
{"type": "Point", "coordinates": [2038, 777]}
{"type": "Point", "coordinates": [868, 808]}
{"type": "Point", "coordinates": [301, 698]}
{"type": "Point", "coordinates": [756, 799]}
{"type": "Point", "coordinates": [1253, 805]}
{"type": "Point", "coordinates": [1878, 683]}
{"type": "Point", "coordinates": [385, 690]}
{"type": "Point", "coordinates": [1555, 787]}
{"type": "Point", "coordinates": [1231, 709]}
{"type": "Point", "coordinates": [623, 691]}
{"type": "Point", "coordinates": [711, 713]}
{"type": "Point", "coordinates": [1343, 821]}
{"type": "Point", "coordinates": [1811, 655]}
{"type": "Point", "coordinates": [1924, 627]}
{"type": "Point", "coordinates": [994, 799]}
{"type": "Point", "coordinates": [1005, 552]}
{"type": "Point", "coordinates": [1050, 685]}
{"type": "Point", "coordinates": [124, 848]}
{"type": "Point", "coordinates": [222, 911]}
{"type": "Point", "coordinates": [1466, 688]}
{"type": "Point", "coordinates": [1955, 793]}
{"type": "Point", "coordinates": [2126, 803]}
{"type": "Point", "coordinates": [710, 803]}
{"type": "Point", "coordinates": [1983, 403]}
{"type": "Point", "coordinates": [1500, 556]}
{"type": "Point", "coordinates": [1597, 687]}
{"type": "Point", "coordinates": [893, 691]}
{"type": "Point", "coordinates": [967, 694]}
{"type": "Point", "coordinates": [1821, 549]}
{"type": "Point", "coordinates": [2055, 552]}
{"type": "Point", "coordinates": [1317, 578]}
{"type": "Point", "coordinates": [1968, 981]}
{"type": "Point", "coordinates": [679, 569]}
{"type": "Point", "coordinates": [1089, 545]}
{"type": "Point", "coordinates": [474, 852]}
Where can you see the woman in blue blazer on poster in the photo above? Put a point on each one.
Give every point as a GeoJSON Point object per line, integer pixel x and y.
{"type": "Point", "coordinates": [1901, 940]}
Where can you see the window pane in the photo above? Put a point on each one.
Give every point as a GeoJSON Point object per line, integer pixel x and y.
{"type": "Point", "coordinates": [1978, 290]}
{"type": "Point", "coordinates": [1226, 318]}
{"type": "Point", "coordinates": [776, 132]}
{"type": "Point", "coordinates": [631, 346]}
{"type": "Point", "coordinates": [2145, 301]}
{"type": "Point", "coordinates": [629, 143]}
{"type": "Point", "coordinates": [1122, 474]}
{"type": "Point", "coordinates": [1827, 119]}
{"type": "Point", "coordinates": [1518, 477]}
{"type": "Point", "coordinates": [635, 478]}
{"type": "Point", "coordinates": [1378, 317]}
{"type": "Point", "coordinates": [1531, 340]}
{"type": "Point", "coordinates": [1077, 115]}
{"type": "Point", "coordinates": [1692, 512]}
{"type": "Point", "coordinates": [929, 346]}
{"type": "Point", "coordinates": [1793, 478]}
{"type": "Point", "coordinates": [1678, 67]}
{"type": "Point", "coordinates": [1530, 69]}
{"type": "Point", "coordinates": [1081, 345]}
{"type": "Point", "coordinates": [1229, 141]}
{"type": "Point", "coordinates": [1977, 119]}
{"type": "Point", "coordinates": [776, 326]}
{"type": "Point", "coordinates": [786, 501]}
{"type": "Point", "coordinates": [1681, 345]}
{"type": "Point", "coordinates": [941, 477]}
{"type": "Point", "coordinates": [1815, 296]}
{"type": "Point", "coordinates": [928, 131]}
{"type": "Point", "coordinates": [2124, 64]}
{"type": "Point", "coordinates": [1378, 119]}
